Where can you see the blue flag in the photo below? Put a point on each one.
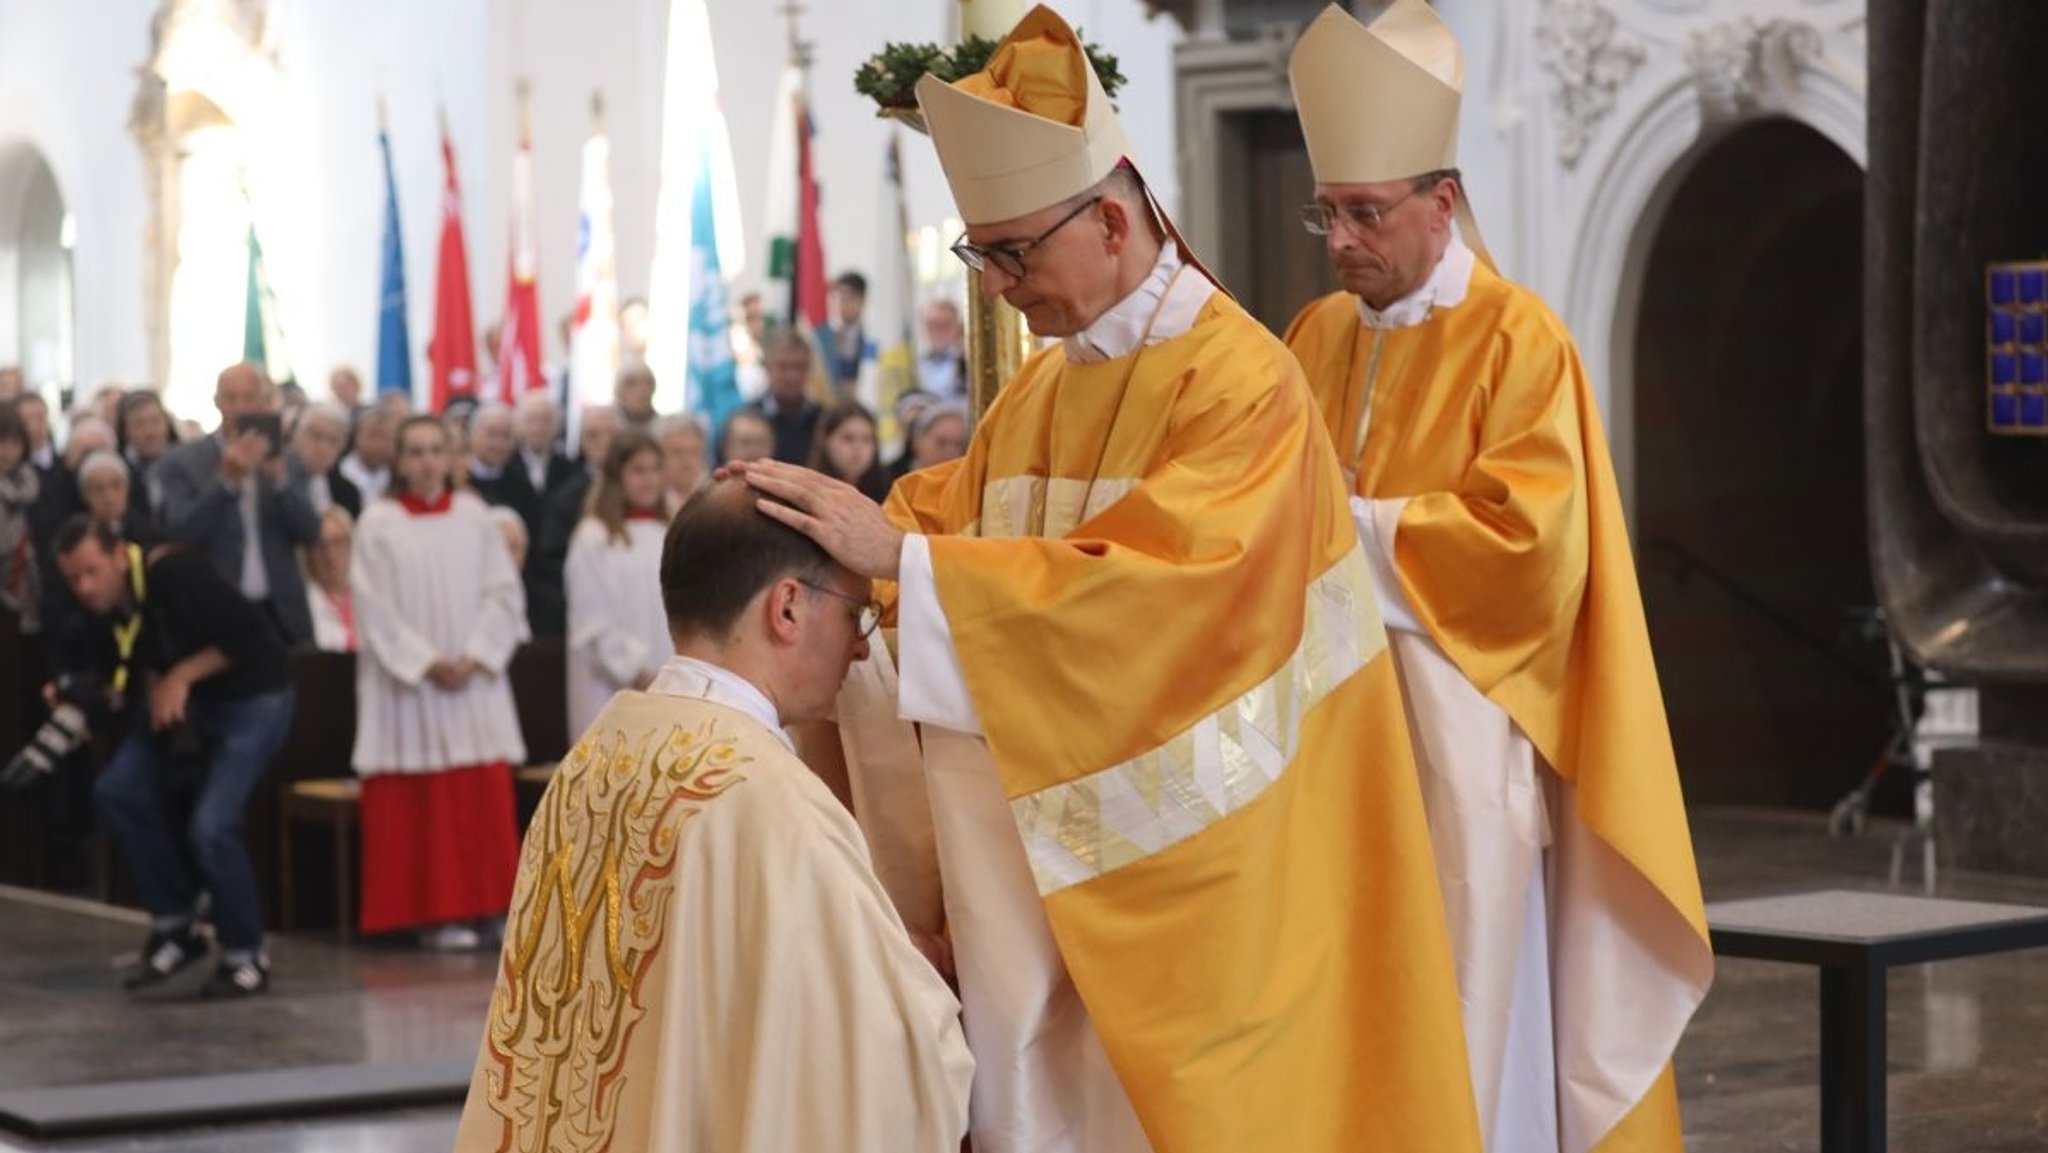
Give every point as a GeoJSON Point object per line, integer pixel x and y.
{"type": "Point", "coordinates": [714, 376]}
{"type": "Point", "coordinates": [394, 346]}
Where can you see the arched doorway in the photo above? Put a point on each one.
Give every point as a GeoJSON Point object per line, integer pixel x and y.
{"type": "Point", "coordinates": [36, 318]}
{"type": "Point", "coordinates": [1749, 471]}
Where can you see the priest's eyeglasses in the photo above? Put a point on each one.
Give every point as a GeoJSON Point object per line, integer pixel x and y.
{"type": "Point", "coordinates": [1009, 258]}
{"type": "Point", "coordinates": [1320, 219]}
{"type": "Point", "coordinates": [870, 610]}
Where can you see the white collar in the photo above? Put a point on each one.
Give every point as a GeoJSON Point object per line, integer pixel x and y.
{"type": "Point", "coordinates": [1117, 332]}
{"type": "Point", "coordinates": [355, 464]}
{"type": "Point", "coordinates": [685, 676]}
{"type": "Point", "coordinates": [481, 471]}
{"type": "Point", "coordinates": [1446, 287]}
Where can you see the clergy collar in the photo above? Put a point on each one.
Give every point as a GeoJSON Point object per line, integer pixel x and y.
{"type": "Point", "coordinates": [481, 471]}
{"type": "Point", "coordinates": [685, 676]}
{"type": "Point", "coordinates": [1445, 288]}
{"type": "Point", "coordinates": [1117, 332]}
{"type": "Point", "coordinates": [418, 507]}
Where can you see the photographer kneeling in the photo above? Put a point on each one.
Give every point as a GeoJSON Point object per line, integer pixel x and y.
{"type": "Point", "coordinates": [191, 668]}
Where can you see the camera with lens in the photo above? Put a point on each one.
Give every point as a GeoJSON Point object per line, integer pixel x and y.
{"type": "Point", "coordinates": [80, 699]}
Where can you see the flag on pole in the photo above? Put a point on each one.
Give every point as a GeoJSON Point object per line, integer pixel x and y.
{"type": "Point", "coordinates": [714, 386]}
{"type": "Point", "coordinates": [453, 349]}
{"type": "Point", "coordinates": [394, 346]}
{"type": "Point", "coordinates": [796, 253]}
{"type": "Point", "coordinates": [698, 207]}
{"type": "Point", "coordinates": [892, 301]}
{"type": "Point", "coordinates": [594, 329]}
{"type": "Point", "coordinates": [519, 367]}
{"type": "Point", "coordinates": [810, 241]}
{"type": "Point", "coordinates": [262, 334]}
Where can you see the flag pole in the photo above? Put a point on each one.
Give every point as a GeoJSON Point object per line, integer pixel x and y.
{"type": "Point", "coordinates": [998, 340]}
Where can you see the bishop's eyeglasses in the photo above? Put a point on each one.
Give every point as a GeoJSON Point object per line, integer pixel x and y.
{"type": "Point", "coordinates": [1009, 258]}
{"type": "Point", "coordinates": [1320, 219]}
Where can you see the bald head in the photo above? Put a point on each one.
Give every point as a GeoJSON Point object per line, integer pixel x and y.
{"type": "Point", "coordinates": [490, 435]}
{"type": "Point", "coordinates": [241, 389]}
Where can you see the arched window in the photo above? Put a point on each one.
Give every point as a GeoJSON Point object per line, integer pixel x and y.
{"type": "Point", "coordinates": [35, 274]}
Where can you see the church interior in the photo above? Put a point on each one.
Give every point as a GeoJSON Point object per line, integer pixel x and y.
{"type": "Point", "coordinates": [1783, 237]}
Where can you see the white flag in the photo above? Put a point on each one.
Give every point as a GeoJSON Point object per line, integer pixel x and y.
{"type": "Point", "coordinates": [693, 139]}
{"type": "Point", "coordinates": [594, 331]}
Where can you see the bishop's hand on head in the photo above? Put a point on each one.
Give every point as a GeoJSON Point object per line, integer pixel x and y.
{"type": "Point", "coordinates": [835, 514]}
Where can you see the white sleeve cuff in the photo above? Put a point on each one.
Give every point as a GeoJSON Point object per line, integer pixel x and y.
{"type": "Point", "coordinates": [1378, 521]}
{"type": "Point", "coordinates": [931, 688]}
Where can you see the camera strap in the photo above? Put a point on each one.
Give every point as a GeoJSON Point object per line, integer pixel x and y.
{"type": "Point", "coordinates": [126, 632]}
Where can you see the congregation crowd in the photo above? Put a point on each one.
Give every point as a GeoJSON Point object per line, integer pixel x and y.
{"type": "Point", "coordinates": [430, 544]}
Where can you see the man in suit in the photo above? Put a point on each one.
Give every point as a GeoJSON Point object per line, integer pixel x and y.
{"type": "Point", "coordinates": [229, 497]}
{"type": "Point", "coordinates": [536, 471]}
{"type": "Point", "coordinates": [850, 356]}
{"type": "Point", "coordinates": [788, 407]}
{"type": "Point", "coordinates": [316, 455]}
{"type": "Point", "coordinates": [491, 466]}
{"type": "Point", "coordinates": [547, 611]}
{"type": "Point", "coordinates": [942, 367]}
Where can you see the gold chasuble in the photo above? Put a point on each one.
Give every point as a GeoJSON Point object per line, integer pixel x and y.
{"type": "Point", "coordinates": [700, 960]}
{"type": "Point", "coordinates": [1167, 629]}
{"type": "Point", "coordinates": [1475, 437]}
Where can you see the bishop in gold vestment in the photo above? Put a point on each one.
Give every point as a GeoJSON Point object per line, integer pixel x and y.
{"type": "Point", "coordinates": [1487, 504]}
{"type": "Point", "coordinates": [1183, 854]}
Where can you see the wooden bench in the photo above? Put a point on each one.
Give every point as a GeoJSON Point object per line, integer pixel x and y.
{"type": "Point", "coordinates": [337, 803]}
{"type": "Point", "coordinates": [1854, 939]}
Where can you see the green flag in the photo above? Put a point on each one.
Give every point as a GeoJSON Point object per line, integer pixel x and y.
{"type": "Point", "coordinates": [261, 342]}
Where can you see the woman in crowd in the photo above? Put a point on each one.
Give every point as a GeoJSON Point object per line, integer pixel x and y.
{"type": "Point", "coordinates": [845, 449]}
{"type": "Point", "coordinates": [104, 489]}
{"type": "Point", "coordinates": [618, 631]}
{"type": "Point", "coordinates": [144, 433]}
{"type": "Point", "coordinates": [438, 611]}
{"type": "Point", "coordinates": [20, 580]}
{"type": "Point", "coordinates": [327, 582]}
{"type": "Point", "coordinates": [938, 435]}
{"type": "Point", "coordinates": [747, 435]}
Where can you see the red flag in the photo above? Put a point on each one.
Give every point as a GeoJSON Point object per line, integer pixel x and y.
{"type": "Point", "coordinates": [453, 350]}
{"type": "Point", "coordinates": [519, 369]}
{"type": "Point", "coordinates": [810, 248]}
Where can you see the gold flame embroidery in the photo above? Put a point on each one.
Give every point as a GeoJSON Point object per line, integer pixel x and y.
{"type": "Point", "coordinates": [586, 925]}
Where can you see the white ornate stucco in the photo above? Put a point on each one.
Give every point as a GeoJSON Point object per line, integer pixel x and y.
{"type": "Point", "coordinates": [1596, 111]}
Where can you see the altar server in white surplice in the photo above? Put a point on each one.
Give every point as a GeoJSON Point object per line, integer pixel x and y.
{"type": "Point", "coordinates": [699, 956]}
{"type": "Point", "coordinates": [439, 610]}
{"type": "Point", "coordinates": [618, 634]}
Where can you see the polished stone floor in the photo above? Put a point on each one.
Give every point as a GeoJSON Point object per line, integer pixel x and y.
{"type": "Point", "coordinates": [1969, 1039]}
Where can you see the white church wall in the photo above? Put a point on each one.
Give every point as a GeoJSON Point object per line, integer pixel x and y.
{"type": "Point", "coordinates": [66, 78]}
